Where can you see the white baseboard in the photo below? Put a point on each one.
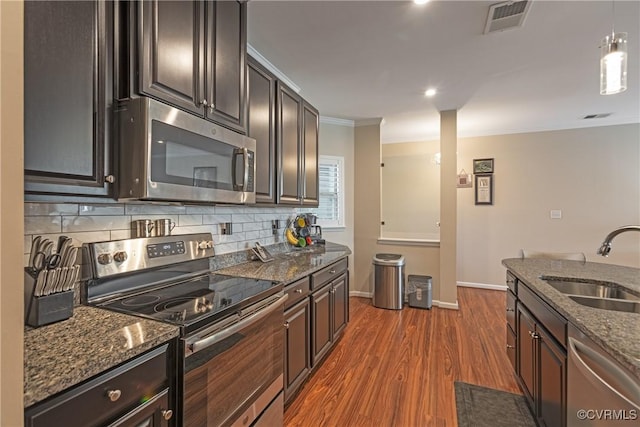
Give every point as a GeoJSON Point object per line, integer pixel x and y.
{"type": "Point", "coordinates": [483, 286]}
{"type": "Point", "coordinates": [447, 305]}
{"type": "Point", "coordinates": [360, 294]}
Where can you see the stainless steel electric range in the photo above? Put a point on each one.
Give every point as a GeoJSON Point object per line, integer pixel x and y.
{"type": "Point", "coordinates": [230, 352]}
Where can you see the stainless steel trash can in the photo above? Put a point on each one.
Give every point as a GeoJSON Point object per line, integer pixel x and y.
{"type": "Point", "coordinates": [388, 289]}
{"type": "Point", "coordinates": [419, 290]}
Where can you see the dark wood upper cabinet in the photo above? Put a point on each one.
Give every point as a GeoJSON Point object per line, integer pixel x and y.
{"type": "Point", "coordinates": [172, 52]}
{"type": "Point", "coordinates": [289, 146]}
{"type": "Point", "coordinates": [226, 65]}
{"type": "Point", "coordinates": [68, 95]}
{"type": "Point", "coordinates": [193, 56]}
{"type": "Point", "coordinates": [310, 125]}
{"type": "Point", "coordinates": [261, 126]}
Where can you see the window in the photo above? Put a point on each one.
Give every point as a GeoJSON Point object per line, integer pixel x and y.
{"type": "Point", "coordinates": [330, 209]}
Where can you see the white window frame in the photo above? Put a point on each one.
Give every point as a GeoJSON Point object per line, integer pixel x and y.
{"type": "Point", "coordinates": [340, 222]}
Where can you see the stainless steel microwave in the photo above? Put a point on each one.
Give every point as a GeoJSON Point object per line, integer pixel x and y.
{"type": "Point", "coordinates": [167, 154]}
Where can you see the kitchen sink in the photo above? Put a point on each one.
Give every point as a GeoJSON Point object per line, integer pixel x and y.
{"type": "Point", "coordinates": [590, 288]}
{"type": "Point", "coordinates": [608, 303]}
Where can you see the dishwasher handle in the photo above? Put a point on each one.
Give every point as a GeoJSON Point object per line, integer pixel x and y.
{"type": "Point", "coordinates": [244, 323]}
{"type": "Point", "coordinates": [624, 386]}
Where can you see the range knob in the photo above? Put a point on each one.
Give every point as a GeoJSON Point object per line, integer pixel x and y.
{"type": "Point", "coordinates": [205, 244]}
{"type": "Point", "coordinates": [105, 259]}
{"type": "Point", "coordinates": [120, 256]}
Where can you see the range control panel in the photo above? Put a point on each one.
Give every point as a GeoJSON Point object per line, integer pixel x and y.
{"type": "Point", "coordinates": [129, 255]}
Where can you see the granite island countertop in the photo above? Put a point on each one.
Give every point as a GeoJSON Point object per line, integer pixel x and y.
{"type": "Point", "coordinates": [66, 353]}
{"type": "Point", "coordinates": [617, 332]}
{"type": "Point", "coordinates": [290, 266]}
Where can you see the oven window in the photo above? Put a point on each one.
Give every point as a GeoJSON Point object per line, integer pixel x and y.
{"type": "Point", "coordinates": [222, 380]}
{"type": "Point", "coordinates": [186, 158]}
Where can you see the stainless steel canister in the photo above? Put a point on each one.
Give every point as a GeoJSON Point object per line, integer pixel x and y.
{"type": "Point", "coordinates": [141, 228]}
{"type": "Point", "coordinates": [163, 227]}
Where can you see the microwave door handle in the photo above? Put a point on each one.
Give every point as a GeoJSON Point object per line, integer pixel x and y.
{"type": "Point", "coordinates": [245, 165]}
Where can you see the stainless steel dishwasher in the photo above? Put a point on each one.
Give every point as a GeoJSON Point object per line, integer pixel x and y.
{"type": "Point", "coordinates": [600, 391]}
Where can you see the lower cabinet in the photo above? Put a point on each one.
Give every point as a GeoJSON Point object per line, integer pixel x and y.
{"type": "Point", "coordinates": [134, 394]}
{"type": "Point", "coordinates": [297, 321]}
{"type": "Point", "coordinates": [313, 322]}
{"type": "Point", "coordinates": [540, 357]}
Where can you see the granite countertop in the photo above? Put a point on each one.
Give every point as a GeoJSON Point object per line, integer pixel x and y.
{"type": "Point", "coordinates": [290, 266]}
{"type": "Point", "coordinates": [63, 354]}
{"type": "Point", "coordinates": [617, 332]}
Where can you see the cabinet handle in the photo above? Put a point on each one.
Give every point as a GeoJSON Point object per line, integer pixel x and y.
{"type": "Point", "coordinates": [332, 271]}
{"type": "Point", "coordinates": [286, 325]}
{"type": "Point", "coordinates": [166, 414]}
{"type": "Point", "coordinates": [110, 179]}
{"type": "Point", "coordinates": [509, 346]}
{"type": "Point", "coordinates": [509, 310]}
{"type": "Point", "coordinates": [298, 291]}
{"type": "Point", "coordinates": [114, 395]}
{"type": "Point", "coordinates": [534, 335]}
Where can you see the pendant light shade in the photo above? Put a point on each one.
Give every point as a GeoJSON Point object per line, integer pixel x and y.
{"type": "Point", "coordinates": [613, 64]}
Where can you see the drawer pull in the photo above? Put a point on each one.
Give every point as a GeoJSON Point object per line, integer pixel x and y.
{"type": "Point", "coordinates": [298, 291]}
{"type": "Point", "coordinates": [534, 335]}
{"type": "Point", "coordinates": [510, 310]}
{"type": "Point", "coordinates": [509, 346]}
{"type": "Point", "coordinates": [114, 395]}
{"type": "Point", "coordinates": [332, 271]}
{"type": "Point", "coordinates": [286, 325]}
{"type": "Point", "coordinates": [166, 414]}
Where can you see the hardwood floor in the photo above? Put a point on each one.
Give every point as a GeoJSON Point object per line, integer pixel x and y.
{"type": "Point", "coordinates": [397, 368]}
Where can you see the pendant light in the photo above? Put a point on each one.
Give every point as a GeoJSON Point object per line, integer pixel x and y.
{"type": "Point", "coordinates": [613, 61]}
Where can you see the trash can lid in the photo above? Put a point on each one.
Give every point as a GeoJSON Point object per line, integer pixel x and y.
{"type": "Point", "coordinates": [388, 259]}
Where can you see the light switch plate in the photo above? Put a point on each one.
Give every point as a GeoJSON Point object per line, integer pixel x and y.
{"type": "Point", "coordinates": [556, 214]}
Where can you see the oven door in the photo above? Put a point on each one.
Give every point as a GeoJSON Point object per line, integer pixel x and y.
{"type": "Point", "coordinates": [233, 370]}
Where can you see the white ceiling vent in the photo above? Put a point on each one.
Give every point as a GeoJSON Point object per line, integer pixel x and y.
{"type": "Point", "coordinates": [506, 15]}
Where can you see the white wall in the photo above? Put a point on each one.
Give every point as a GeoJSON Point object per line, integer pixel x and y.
{"type": "Point", "coordinates": [592, 175]}
{"type": "Point", "coordinates": [338, 140]}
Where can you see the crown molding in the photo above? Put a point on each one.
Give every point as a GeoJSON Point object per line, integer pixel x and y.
{"type": "Point", "coordinates": [336, 121]}
{"type": "Point", "coordinates": [269, 66]}
{"type": "Point", "coordinates": [368, 122]}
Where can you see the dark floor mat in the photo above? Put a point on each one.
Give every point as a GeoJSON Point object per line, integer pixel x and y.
{"type": "Point", "coordinates": [480, 406]}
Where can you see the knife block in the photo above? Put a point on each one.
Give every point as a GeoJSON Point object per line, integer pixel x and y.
{"type": "Point", "coordinates": [46, 309]}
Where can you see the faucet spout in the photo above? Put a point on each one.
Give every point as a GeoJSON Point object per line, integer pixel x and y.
{"type": "Point", "coordinates": [605, 248]}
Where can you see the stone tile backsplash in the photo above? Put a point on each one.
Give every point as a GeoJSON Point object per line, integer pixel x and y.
{"type": "Point", "coordinates": [100, 222]}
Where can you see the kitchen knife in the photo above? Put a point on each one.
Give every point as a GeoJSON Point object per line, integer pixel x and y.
{"type": "Point", "coordinates": [40, 283]}
{"type": "Point", "coordinates": [50, 283]}
{"type": "Point", "coordinates": [35, 246]}
{"type": "Point", "coordinates": [74, 273]}
{"type": "Point", "coordinates": [69, 256]}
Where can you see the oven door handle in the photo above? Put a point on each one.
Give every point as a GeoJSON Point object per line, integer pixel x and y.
{"type": "Point", "coordinates": [227, 332]}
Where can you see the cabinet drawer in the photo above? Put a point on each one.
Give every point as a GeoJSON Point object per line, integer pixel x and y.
{"type": "Point", "coordinates": [296, 291]}
{"type": "Point", "coordinates": [512, 282]}
{"type": "Point", "coordinates": [90, 404]}
{"type": "Point", "coordinates": [327, 274]}
{"type": "Point", "coordinates": [511, 309]}
{"type": "Point", "coordinates": [547, 316]}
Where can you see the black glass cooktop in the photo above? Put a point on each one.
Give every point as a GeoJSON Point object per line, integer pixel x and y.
{"type": "Point", "coordinates": [203, 298]}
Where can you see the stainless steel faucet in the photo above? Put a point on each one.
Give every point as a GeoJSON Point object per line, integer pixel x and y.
{"type": "Point", "coordinates": [606, 245]}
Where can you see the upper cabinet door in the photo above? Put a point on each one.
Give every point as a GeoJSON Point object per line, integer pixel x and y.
{"type": "Point", "coordinates": [226, 63]}
{"type": "Point", "coordinates": [289, 146]}
{"type": "Point", "coordinates": [173, 46]}
{"type": "Point", "coordinates": [67, 97]}
{"type": "Point", "coordinates": [261, 126]}
{"type": "Point", "coordinates": [310, 124]}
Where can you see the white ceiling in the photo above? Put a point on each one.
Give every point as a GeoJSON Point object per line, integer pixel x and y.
{"type": "Point", "coordinates": [374, 59]}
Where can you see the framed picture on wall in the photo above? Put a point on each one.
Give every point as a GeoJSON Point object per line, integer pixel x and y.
{"type": "Point", "coordinates": [484, 189]}
{"type": "Point", "coordinates": [482, 166]}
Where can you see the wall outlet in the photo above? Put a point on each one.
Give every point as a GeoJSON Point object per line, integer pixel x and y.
{"type": "Point", "coordinates": [556, 214]}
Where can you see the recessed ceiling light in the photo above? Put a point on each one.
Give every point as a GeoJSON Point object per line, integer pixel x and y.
{"type": "Point", "coordinates": [421, 1]}
{"type": "Point", "coordinates": [430, 92]}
